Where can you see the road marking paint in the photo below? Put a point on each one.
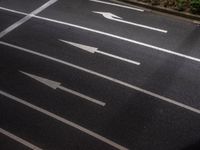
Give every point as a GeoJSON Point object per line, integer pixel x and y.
{"type": "Point", "coordinates": [95, 50]}
{"type": "Point", "coordinates": [121, 38]}
{"type": "Point", "coordinates": [13, 11]}
{"type": "Point", "coordinates": [63, 120]}
{"type": "Point", "coordinates": [113, 17]}
{"type": "Point", "coordinates": [105, 77]}
{"type": "Point", "coordinates": [26, 18]}
{"type": "Point", "coordinates": [18, 139]}
{"type": "Point", "coordinates": [56, 85]}
{"type": "Point", "coordinates": [118, 5]}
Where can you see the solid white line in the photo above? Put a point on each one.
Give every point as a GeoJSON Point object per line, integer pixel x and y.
{"type": "Point", "coordinates": [106, 77]}
{"type": "Point", "coordinates": [26, 18]}
{"type": "Point", "coordinates": [82, 96]}
{"type": "Point", "coordinates": [18, 139]}
{"type": "Point", "coordinates": [120, 38]}
{"type": "Point", "coordinates": [118, 5]}
{"type": "Point", "coordinates": [63, 120]}
{"type": "Point", "coordinates": [13, 11]}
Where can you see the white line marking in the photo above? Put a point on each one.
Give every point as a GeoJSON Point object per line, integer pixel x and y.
{"type": "Point", "coordinates": [18, 139]}
{"type": "Point", "coordinates": [26, 18]}
{"type": "Point", "coordinates": [118, 5]}
{"type": "Point", "coordinates": [65, 121]}
{"type": "Point", "coordinates": [95, 50]}
{"type": "Point", "coordinates": [54, 85]}
{"type": "Point", "coordinates": [105, 77]}
{"type": "Point", "coordinates": [113, 17]}
{"type": "Point", "coordinates": [120, 38]}
{"type": "Point", "coordinates": [13, 11]}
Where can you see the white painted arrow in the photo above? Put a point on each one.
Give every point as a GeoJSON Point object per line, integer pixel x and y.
{"type": "Point", "coordinates": [95, 50]}
{"type": "Point", "coordinates": [111, 16]}
{"type": "Point", "coordinates": [56, 85]}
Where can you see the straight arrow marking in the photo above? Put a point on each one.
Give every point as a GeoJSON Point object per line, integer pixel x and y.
{"type": "Point", "coordinates": [56, 85]}
{"type": "Point", "coordinates": [119, 19]}
{"type": "Point", "coordinates": [95, 50]}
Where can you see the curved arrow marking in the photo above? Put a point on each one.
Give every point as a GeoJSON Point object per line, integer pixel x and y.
{"type": "Point", "coordinates": [56, 85]}
{"type": "Point", "coordinates": [95, 50]}
{"type": "Point", "coordinates": [111, 16]}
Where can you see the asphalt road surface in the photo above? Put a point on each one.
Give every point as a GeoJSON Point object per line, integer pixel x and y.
{"type": "Point", "coordinates": [97, 75]}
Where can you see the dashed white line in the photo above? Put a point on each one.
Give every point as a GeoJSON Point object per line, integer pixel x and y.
{"type": "Point", "coordinates": [120, 38]}
{"type": "Point", "coordinates": [26, 18]}
{"type": "Point", "coordinates": [118, 5]}
{"type": "Point", "coordinates": [18, 139]}
{"type": "Point", "coordinates": [65, 121]}
{"type": "Point", "coordinates": [105, 77]}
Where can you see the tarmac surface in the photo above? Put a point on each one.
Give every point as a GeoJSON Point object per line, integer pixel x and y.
{"type": "Point", "coordinates": [95, 75]}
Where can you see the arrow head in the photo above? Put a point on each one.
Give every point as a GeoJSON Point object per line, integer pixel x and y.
{"type": "Point", "coordinates": [108, 15]}
{"type": "Point", "coordinates": [81, 46]}
{"type": "Point", "coordinates": [52, 84]}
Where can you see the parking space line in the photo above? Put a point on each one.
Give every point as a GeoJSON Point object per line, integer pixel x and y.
{"type": "Point", "coordinates": [95, 50]}
{"type": "Point", "coordinates": [18, 139]}
{"type": "Point", "coordinates": [168, 100]}
{"type": "Point", "coordinates": [26, 18]}
{"type": "Point", "coordinates": [118, 5]}
{"type": "Point", "coordinates": [120, 38]}
{"type": "Point", "coordinates": [13, 11]}
{"type": "Point", "coordinates": [63, 120]}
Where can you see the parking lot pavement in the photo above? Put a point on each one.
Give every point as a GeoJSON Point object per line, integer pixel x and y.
{"type": "Point", "coordinates": [118, 78]}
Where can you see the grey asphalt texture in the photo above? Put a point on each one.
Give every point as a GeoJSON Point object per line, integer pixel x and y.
{"type": "Point", "coordinates": [130, 118]}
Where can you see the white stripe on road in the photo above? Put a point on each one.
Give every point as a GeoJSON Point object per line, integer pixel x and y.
{"type": "Point", "coordinates": [13, 11]}
{"type": "Point", "coordinates": [120, 38]}
{"type": "Point", "coordinates": [26, 18]}
{"type": "Point", "coordinates": [118, 5]}
{"type": "Point", "coordinates": [18, 139]}
{"type": "Point", "coordinates": [95, 50]}
{"type": "Point", "coordinates": [105, 77]}
{"type": "Point", "coordinates": [63, 120]}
